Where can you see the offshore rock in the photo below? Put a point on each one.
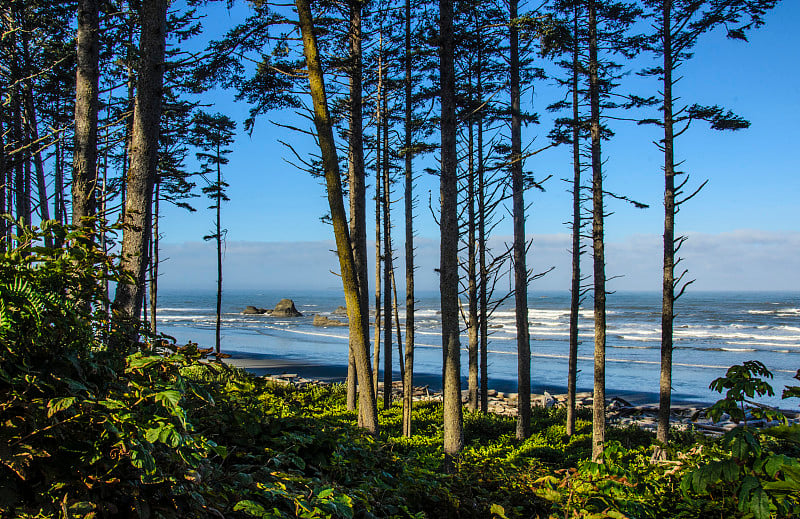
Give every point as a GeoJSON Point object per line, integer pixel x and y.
{"type": "Point", "coordinates": [252, 310]}
{"type": "Point", "coordinates": [285, 308]}
{"type": "Point", "coordinates": [340, 311]}
{"type": "Point", "coordinates": [321, 320]}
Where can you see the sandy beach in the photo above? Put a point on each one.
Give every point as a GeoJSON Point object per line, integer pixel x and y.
{"type": "Point", "coordinates": [265, 364]}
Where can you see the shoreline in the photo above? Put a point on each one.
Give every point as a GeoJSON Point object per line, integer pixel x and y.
{"type": "Point", "coordinates": [262, 364]}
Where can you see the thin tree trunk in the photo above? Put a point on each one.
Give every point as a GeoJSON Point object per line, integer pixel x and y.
{"type": "Point", "coordinates": [60, 199]}
{"type": "Point", "coordinates": [218, 336]}
{"type": "Point", "coordinates": [84, 165]}
{"type": "Point", "coordinates": [358, 220]}
{"type": "Point", "coordinates": [599, 404]}
{"type": "Point", "coordinates": [128, 126]}
{"type": "Point", "coordinates": [387, 265]}
{"type": "Point", "coordinates": [448, 265]}
{"type": "Point", "coordinates": [484, 275]}
{"type": "Point", "coordinates": [396, 310]}
{"type": "Point", "coordinates": [408, 376]}
{"type": "Point", "coordinates": [575, 290]}
{"type": "Point", "coordinates": [3, 185]}
{"type": "Point", "coordinates": [472, 278]}
{"type": "Point", "coordinates": [143, 157]}
{"type": "Point", "coordinates": [33, 130]}
{"type": "Point", "coordinates": [668, 289]}
{"type": "Point", "coordinates": [378, 165]}
{"type": "Point", "coordinates": [103, 230]}
{"type": "Point", "coordinates": [367, 403]}
{"type": "Point", "coordinates": [154, 259]}
{"type": "Point", "coordinates": [520, 267]}
{"type": "Point", "coordinates": [19, 166]}
{"type": "Point", "coordinates": [27, 178]}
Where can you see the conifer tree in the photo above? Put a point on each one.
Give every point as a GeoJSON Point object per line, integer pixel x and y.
{"type": "Point", "coordinates": [679, 24]}
{"type": "Point", "coordinates": [212, 134]}
{"type": "Point", "coordinates": [367, 404]}
{"type": "Point", "coordinates": [448, 267]}
{"type": "Point", "coordinates": [84, 170]}
{"type": "Point", "coordinates": [144, 156]}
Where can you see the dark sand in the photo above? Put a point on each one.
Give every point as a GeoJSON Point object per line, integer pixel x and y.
{"type": "Point", "coordinates": [265, 364]}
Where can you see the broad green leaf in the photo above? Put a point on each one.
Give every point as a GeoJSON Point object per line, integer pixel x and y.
{"type": "Point", "coordinates": [498, 511]}
{"type": "Point", "coordinates": [169, 398]}
{"type": "Point", "coordinates": [730, 470]}
{"type": "Point", "coordinates": [774, 464]}
{"type": "Point", "coordinates": [759, 504]}
{"type": "Point", "coordinates": [250, 508]}
{"type": "Point", "coordinates": [135, 362]}
{"type": "Point", "coordinates": [749, 483]}
{"type": "Point", "coordinates": [325, 493]}
{"type": "Point", "coordinates": [59, 404]}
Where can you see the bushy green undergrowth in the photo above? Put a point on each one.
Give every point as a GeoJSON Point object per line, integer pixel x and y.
{"type": "Point", "coordinates": [95, 425]}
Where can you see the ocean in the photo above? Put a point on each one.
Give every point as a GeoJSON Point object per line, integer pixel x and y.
{"type": "Point", "coordinates": [713, 330]}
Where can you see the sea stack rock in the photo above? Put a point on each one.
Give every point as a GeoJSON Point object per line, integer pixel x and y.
{"type": "Point", "coordinates": [340, 311]}
{"type": "Point", "coordinates": [252, 310]}
{"type": "Point", "coordinates": [321, 320]}
{"type": "Point", "coordinates": [285, 308]}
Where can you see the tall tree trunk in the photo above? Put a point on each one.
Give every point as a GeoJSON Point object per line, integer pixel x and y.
{"type": "Point", "coordinates": [367, 405]}
{"type": "Point", "coordinates": [358, 207]}
{"type": "Point", "coordinates": [668, 289]}
{"type": "Point", "coordinates": [143, 157]}
{"type": "Point", "coordinates": [396, 311]}
{"type": "Point", "coordinates": [448, 263]}
{"type": "Point", "coordinates": [218, 337]}
{"type": "Point", "coordinates": [520, 267]}
{"type": "Point", "coordinates": [84, 164]}
{"type": "Point", "coordinates": [599, 404]}
{"type": "Point", "coordinates": [472, 277]}
{"type": "Point", "coordinates": [27, 210]}
{"type": "Point", "coordinates": [378, 165]}
{"type": "Point", "coordinates": [60, 208]}
{"type": "Point", "coordinates": [131, 86]}
{"type": "Point", "coordinates": [103, 230]}
{"type": "Point", "coordinates": [3, 185]}
{"type": "Point", "coordinates": [387, 265]}
{"type": "Point", "coordinates": [154, 259]}
{"type": "Point", "coordinates": [484, 275]}
{"type": "Point", "coordinates": [408, 377]}
{"type": "Point", "coordinates": [575, 289]}
{"type": "Point", "coordinates": [19, 165]}
{"type": "Point", "coordinates": [33, 132]}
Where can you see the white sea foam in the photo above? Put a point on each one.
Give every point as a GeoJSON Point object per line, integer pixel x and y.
{"type": "Point", "coordinates": [184, 309]}
{"type": "Point", "coordinates": [180, 317]}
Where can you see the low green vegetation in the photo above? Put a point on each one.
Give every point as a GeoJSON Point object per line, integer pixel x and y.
{"type": "Point", "coordinates": [94, 424]}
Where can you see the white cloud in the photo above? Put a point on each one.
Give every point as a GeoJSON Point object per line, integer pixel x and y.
{"type": "Point", "coordinates": [737, 260]}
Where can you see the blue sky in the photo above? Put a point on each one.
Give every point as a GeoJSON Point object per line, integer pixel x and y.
{"type": "Point", "coordinates": [750, 198]}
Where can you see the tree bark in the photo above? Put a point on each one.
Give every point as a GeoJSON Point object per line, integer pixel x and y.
{"type": "Point", "coordinates": [598, 406]}
{"type": "Point", "coordinates": [378, 165]}
{"type": "Point", "coordinates": [367, 405]}
{"type": "Point", "coordinates": [387, 265]}
{"type": "Point", "coordinates": [84, 163]}
{"type": "Point", "coordinates": [358, 211]}
{"type": "Point", "coordinates": [484, 275]}
{"type": "Point", "coordinates": [575, 289]}
{"type": "Point", "coordinates": [472, 276]}
{"type": "Point", "coordinates": [520, 267]}
{"type": "Point", "coordinates": [154, 259]}
{"type": "Point", "coordinates": [668, 288]}
{"type": "Point", "coordinates": [448, 264]}
{"type": "Point", "coordinates": [218, 334]}
{"type": "Point", "coordinates": [143, 157]}
{"type": "Point", "coordinates": [408, 377]}
{"type": "Point", "coordinates": [3, 185]}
